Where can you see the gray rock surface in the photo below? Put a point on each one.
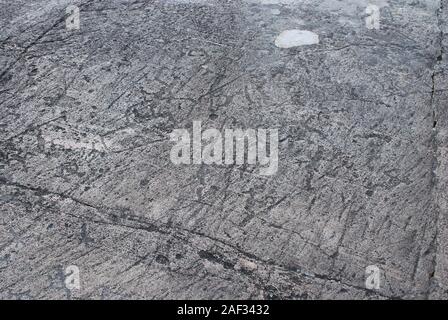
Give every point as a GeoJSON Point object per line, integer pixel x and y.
{"type": "Point", "coordinates": [86, 178]}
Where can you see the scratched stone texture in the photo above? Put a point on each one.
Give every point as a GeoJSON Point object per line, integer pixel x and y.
{"type": "Point", "coordinates": [86, 178]}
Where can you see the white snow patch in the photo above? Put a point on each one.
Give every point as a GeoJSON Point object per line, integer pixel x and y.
{"type": "Point", "coordinates": [296, 38]}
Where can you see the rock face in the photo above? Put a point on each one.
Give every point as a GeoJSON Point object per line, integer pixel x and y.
{"type": "Point", "coordinates": [85, 173]}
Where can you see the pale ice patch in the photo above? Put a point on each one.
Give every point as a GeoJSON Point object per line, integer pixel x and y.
{"type": "Point", "coordinates": [295, 38]}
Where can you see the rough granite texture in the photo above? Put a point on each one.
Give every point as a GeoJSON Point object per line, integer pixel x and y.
{"type": "Point", "coordinates": [86, 178]}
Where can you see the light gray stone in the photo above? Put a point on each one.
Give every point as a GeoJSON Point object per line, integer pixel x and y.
{"type": "Point", "coordinates": [86, 177]}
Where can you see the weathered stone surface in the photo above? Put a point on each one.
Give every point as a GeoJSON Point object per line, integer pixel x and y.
{"type": "Point", "coordinates": [86, 177]}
